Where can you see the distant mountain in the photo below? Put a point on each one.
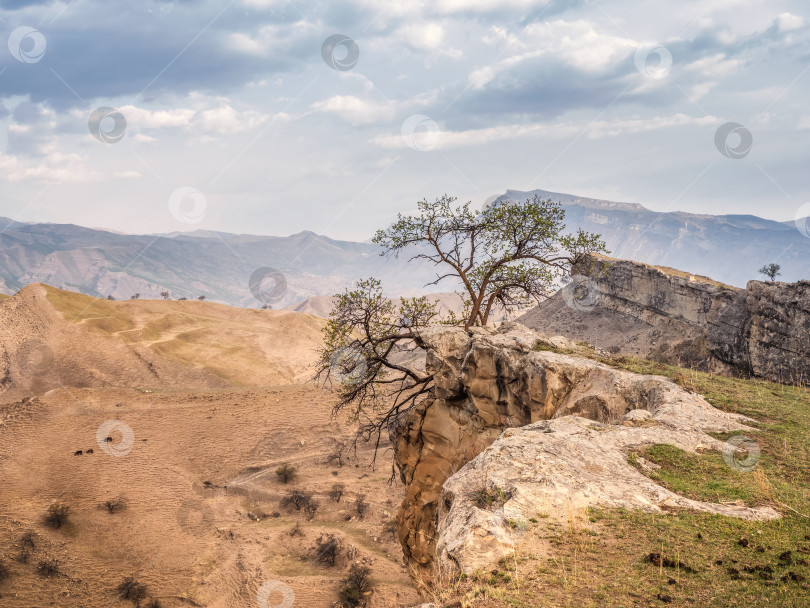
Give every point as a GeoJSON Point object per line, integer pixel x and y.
{"type": "Point", "coordinates": [215, 264]}
{"type": "Point", "coordinates": [727, 248]}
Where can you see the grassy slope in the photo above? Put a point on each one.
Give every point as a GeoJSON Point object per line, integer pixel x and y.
{"type": "Point", "coordinates": [598, 558]}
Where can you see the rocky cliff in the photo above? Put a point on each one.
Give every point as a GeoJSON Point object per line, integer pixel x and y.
{"type": "Point", "coordinates": [489, 381]}
{"type": "Point", "coordinates": [672, 316]}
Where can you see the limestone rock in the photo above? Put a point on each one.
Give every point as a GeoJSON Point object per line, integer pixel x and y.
{"type": "Point", "coordinates": [490, 381]}
{"type": "Point", "coordinates": [672, 316]}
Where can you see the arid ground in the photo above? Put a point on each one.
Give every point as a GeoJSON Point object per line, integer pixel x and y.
{"type": "Point", "coordinates": [193, 457]}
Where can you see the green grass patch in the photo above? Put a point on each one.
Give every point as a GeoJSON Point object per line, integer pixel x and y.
{"type": "Point", "coordinates": [607, 563]}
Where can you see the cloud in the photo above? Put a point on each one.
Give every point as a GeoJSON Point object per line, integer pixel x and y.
{"type": "Point", "coordinates": [557, 130]}
{"type": "Point", "coordinates": [356, 110]}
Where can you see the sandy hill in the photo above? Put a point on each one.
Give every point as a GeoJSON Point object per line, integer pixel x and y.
{"type": "Point", "coordinates": [51, 338]}
{"type": "Point", "coordinates": [201, 404]}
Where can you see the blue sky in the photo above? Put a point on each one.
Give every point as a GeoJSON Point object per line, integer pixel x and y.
{"type": "Point", "coordinates": [230, 117]}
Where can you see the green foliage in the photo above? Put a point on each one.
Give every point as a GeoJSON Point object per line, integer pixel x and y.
{"type": "Point", "coordinates": [509, 253]}
{"type": "Point", "coordinates": [771, 271]}
{"type": "Point", "coordinates": [286, 473]}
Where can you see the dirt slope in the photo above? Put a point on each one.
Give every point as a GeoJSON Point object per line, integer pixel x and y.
{"type": "Point", "coordinates": [51, 338]}
{"type": "Point", "coordinates": [202, 403]}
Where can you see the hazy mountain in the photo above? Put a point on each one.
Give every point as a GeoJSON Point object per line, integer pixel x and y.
{"type": "Point", "coordinates": [217, 265]}
{"type": "Point", "coordinates": [728, 248]}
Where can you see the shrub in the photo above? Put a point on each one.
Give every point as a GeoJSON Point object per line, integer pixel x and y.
{"type": "Point", "coordinates": [310, 508]}
{"type": "Point", "coordinates": [48, 567]}
{"type": "Point", "coordinates": [132, 590]}
{"type": "Point", "coordinates": [23, 555]}
{"type": "Point", "coordinates": [487, 499]}
{"type": "Point", "coordinates": [57, 515]}
{"type": "Point", "coordinates": [285, 473]}
{"type": "Point", "coordinates": [114, 505]}
{"type": "Point", "coordinates": [296, 531]}
{"type": "Point", "coordinates": [361, 506]}
{"type": "Point", "coordinates": [327, 549]}
{"type": "Point", "coordinates": [337, 492]}
{"type": "Point", "coordinates": [298, 499]}
{"type": "Point", "coordinates": [356, 586]}
{"type": "Point", "coordinates": [28, 539]}
{"type": "Point", "coordinates": [154, 603]}
{"type": "Point", "coordinates": [4, 572]}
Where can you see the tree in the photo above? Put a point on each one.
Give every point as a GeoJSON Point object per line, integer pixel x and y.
{"type": "Point", "coordinates": [286, 473]}
{"type": "Point", "coordinates": [109, 297]}
{"type": "Point", "coordinates": [135, 296]}
{"type": "Point", "coordinates": [356, 586]}
{"type": "Point", "coordinates": [771, 271]}
{"type": "Point", "coordinates": [164, 295]}
{"type": "Point", "coordinates": [510, 254]}
{"type": "Point", "coordinates": [201, 298]}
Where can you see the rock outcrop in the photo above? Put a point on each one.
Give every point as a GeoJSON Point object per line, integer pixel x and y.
{"type": "Point", "coordinates": [675, 317]}
{"type": "Point", "coordinates": [487, 382]}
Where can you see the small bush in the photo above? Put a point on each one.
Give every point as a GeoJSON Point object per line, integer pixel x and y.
{"type": "Point", "coordinates": [132, 590]}
{"type": "Point", "coordinates": [310, 508]}
{"type": "Point", "coordinates": [154, 603]}
{"type": "Point", "coordinates": [28, 540]}
{"type": "Point", "coordinates": [297, 499]}
{"type": "Point", "coordinates": [4, 572]}
{"type": "Point", "coordinates": [356, 586]}
{"type": "Point", "coordinates": [57, 515]}
{"type": "Point", "coordinates": [115, 505]}
{"type": "Point", "coordinates": [361, 506]}
{"type": "Point", "coordinates": [48, 567]}
{"type": "Point", "coordinates": [337, 492]}
{"type": "Point", "coordinates": [285, 473]}
{"type": "Point", "coordinates": [23, 555]}
{"type": "Point", "coordinates": [327, 549]}
{"type": "Point", "coordinates": [296, 531]}
{"type": "Point", "coordinates": [487, 499]}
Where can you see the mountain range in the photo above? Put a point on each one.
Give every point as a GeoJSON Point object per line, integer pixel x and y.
{"type": "Point", "coordinates": [219, 265]}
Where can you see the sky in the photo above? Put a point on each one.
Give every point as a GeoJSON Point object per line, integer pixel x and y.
{"type": "Point", "coordinates": [273, 116]}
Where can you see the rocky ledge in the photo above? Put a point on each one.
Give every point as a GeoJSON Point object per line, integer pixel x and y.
{"type": "Point", "coordinates": [673, 316]}
{"type": "Point", "coordinates": [537, 431]}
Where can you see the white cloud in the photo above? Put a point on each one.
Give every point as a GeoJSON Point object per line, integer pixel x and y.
{"type": "Point", "coordinates": [787, 22]}
{"type": "Point", "coordinates": [355, 110]}
{"type": "Point", "coordinates": [555, 130]}
{"type": "Point", "coordinates": [575, 44]}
